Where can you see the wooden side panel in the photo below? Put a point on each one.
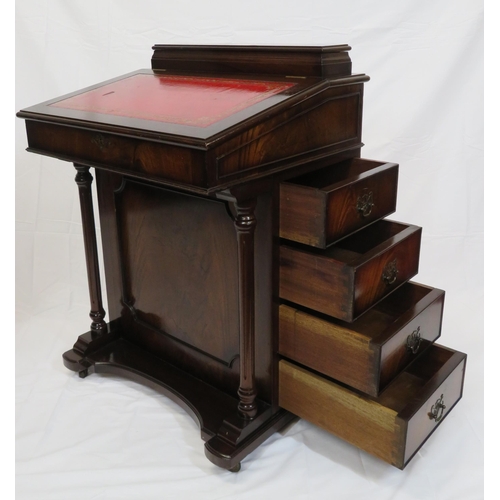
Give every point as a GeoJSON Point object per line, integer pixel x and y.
{"type": "Point", "coordinates": [311, 280]}
{"type": "Point", "coordinates": [302, 214]}
{"type": "Point", "coordinates": [328, 348]}
{"type": "Point", "coordinates": [360, 421]}
{"type": "Point", "coordinates": [326, 122]}
{"type": "Point", "coordinates": [182, 282]}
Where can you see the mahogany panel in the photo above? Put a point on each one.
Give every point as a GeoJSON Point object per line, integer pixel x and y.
{"type": "Point", "coordinates": [180, 268]}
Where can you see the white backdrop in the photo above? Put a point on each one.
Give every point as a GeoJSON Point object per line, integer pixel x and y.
{"type": "Point", "coordinates": [104, 437]}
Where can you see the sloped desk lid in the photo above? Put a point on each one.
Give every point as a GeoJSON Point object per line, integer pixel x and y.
{"type": "Point", "coordinates": [209, 99]}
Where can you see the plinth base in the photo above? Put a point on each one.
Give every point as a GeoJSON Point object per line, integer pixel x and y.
{"type": "Point", "coordinates": [229, 438]}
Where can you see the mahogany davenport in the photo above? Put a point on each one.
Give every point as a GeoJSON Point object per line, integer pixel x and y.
{"type": "Point", "coordinates": [251, 272]}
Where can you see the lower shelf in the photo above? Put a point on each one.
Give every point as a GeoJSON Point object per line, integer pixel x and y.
{"type": "Point", "coordinates": [229, 437]}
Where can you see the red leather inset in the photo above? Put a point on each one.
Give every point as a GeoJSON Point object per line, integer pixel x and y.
{"type": "Point", "coordinates": [184, 100]}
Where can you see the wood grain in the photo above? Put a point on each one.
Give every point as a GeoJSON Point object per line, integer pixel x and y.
{"type": "Point", "coordinates": [345, 280]}
{"type": "Point", "coordinates": [378, 425]}
{"type": "Point", "coordinates": [322, 207]}
{"type": "Point", "coordinates": [369, 352]}
{"type": "Point", "coordinates": [326, 61]}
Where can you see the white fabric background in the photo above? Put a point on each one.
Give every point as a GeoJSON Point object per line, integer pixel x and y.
{"type": "Point", "coordinates": [106, 437]}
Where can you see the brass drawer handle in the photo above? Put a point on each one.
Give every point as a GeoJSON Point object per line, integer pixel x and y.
{"type": "Point", "coordinates": [413, 341]}
{"type": "Point", "coordinates": [365, 204]}
{"type": "Point", "coordinates": [437, 410]}
{"type": "Point", "coordinates": [101, 141]}
{"type": "Point", "coordinates": [390, 273]}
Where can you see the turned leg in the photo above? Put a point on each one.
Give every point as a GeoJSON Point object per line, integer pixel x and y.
{"type": "Point", "coordinates": [84, 180]}
{"type": "Point", "coordinates": [245, 222]}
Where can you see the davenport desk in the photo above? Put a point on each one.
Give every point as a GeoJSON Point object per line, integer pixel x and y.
{"type": "Point", "coordinates": [250, 271]}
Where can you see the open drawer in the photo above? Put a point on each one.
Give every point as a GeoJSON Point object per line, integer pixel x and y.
{"type": "Point", "coordinates": [369, 352]}
{"type": "Point", "coordinates": [392, 426]}
{"type": "Point", "coordinates": [348, 278]}
{"type": "Point", "coordinates": [321, 207]}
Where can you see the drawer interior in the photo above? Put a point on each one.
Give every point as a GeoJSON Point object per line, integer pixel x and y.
{"type": "Point", "coordinates": [378, 320]}
{"type": "Point", "coordinates": [358, 243]}
{"type": "Point", "coordinates": [408, 385]}
{"type": "Point", "coordinates": [328, 178]}
{"type": "Point", "coordinates": [375, 324]}
{"type": "Point", "coordinates": [369, 238]}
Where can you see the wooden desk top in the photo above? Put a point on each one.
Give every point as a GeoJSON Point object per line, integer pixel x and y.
{"type": "Point", "coordinates": [208, 118]}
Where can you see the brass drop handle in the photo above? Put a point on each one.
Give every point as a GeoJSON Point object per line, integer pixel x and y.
{"type": "Point", "coordinates": [437, 410]}
{"type": "Point", "coordinates": [413, 341]}
{"type": "Point", "coordinates": [365, 203]}
{"type": "Point", "coordinates": [390, 273]}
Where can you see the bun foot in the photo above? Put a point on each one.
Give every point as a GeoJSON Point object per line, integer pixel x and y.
{"type": "Point", "coordinates": [236, 468]}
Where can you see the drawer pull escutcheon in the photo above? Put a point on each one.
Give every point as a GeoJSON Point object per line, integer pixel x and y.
{"type": "Point", "coordinates": [365, 204]}
{"type": "Point", "coordinates": [101, 141]}
{"type": "Point", "coordinates": [437, 410]}
{"type": "Point", "coordinates": [413, 341]}
{"type": "Point", "coordinates": [390, 272]}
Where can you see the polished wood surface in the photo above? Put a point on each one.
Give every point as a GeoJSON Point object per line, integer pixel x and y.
{"type": "Point", "coordinates": [392, 426]}
{"type": "Point", "coordinates": [84, 181]}
{"type": "Point", "coordinates": [328, 61]}
{"type": "Point", "coordinates": [312, 120]}
{"type": "Point", "coordinates": [326, 205]}
{"type": "Point", "coordinates": [351, 276]}
{"type": "Point", "coordinates": [234, 205]}
{"type": "Point", "coordinates": [369, 352]}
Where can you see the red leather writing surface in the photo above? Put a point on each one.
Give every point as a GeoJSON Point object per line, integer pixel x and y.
{"type": "Point", "coordinates": [196, 101]}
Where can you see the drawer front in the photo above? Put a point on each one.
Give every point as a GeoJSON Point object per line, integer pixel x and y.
{"type": "Point", "coordinates": [368, 353]}
{"type": "Point", "coordinates": [348, 278]}
{"type": "Point", "coordinates": [141, 158]}
{"type": "Point", "coordinates": [412, 336]}
{"type": "Point", "coordinates": [383, 273]}
{"type": "Point", "coordinates": [432, 412]}
{"type": "Point", "coordinates": [394, 425]}
{"type": "Point", "coordinates": [320, 208]}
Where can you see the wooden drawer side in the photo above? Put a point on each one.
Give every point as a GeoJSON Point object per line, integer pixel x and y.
{"type": "Point", "coordinates": [315, 282]}
{"type": "Point", "coordinates": [328, 348]}
{"type": "Point", "coordinates": [302, 215]}
{"type": "Point", "coordinates": [360, 421]}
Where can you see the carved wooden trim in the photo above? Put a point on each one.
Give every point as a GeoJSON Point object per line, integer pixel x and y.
{"type": "Point", "coordinates": [245, 223]}
{"type": "Point", "coordinates": [97, 313]}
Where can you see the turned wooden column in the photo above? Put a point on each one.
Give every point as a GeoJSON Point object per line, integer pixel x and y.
{"type": "Point", "coordinates": [84, 180]}
{"type": "Point", "coordinates": [245, 223]}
